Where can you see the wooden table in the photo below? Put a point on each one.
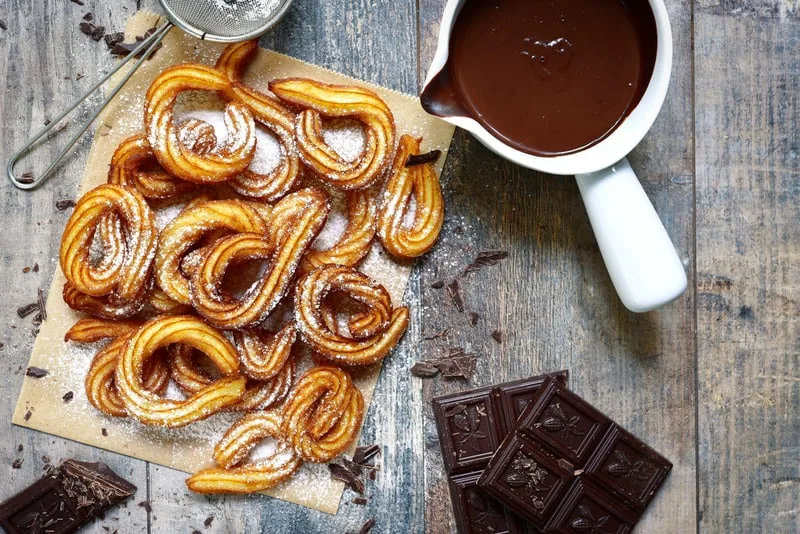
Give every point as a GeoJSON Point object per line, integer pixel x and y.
{"type": "Point", "coordinates": [712, 381]}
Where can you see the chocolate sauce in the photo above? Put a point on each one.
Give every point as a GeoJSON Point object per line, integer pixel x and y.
{"type": "Point", "coordinates": [547, 77]}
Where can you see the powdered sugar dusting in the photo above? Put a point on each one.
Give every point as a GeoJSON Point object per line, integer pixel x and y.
{"type": "Point", "coordinates": [346, 137]}
{"type": "Point", "coordinates": [336, 224]}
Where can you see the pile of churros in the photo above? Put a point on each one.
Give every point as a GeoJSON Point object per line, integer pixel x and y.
{"type": "Point", "coordinates": [162, 295]}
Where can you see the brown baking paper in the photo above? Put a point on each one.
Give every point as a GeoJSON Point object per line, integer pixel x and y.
{"type": "Point", "coordinates": [188, 449]}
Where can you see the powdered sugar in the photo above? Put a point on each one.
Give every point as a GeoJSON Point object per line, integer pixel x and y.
{"type": "Point", "coordinates": [346, 137]}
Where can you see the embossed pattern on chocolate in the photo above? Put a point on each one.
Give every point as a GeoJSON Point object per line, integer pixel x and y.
{"type": "Point", "coordinates": [566, 467]}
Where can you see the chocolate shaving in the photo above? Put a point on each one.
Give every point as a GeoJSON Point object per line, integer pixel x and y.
{"type": "Point", "coordinates": [37, 319]}
{"type": "Point", "coordinates": [367, 526]}
{"type": "Point", "coordinates": [26, 270]}
{"type": "Point", "coordinates": [36, 267]}
{"type": "Point", "coordinates": [40, 303]}
{"type": "Point", "coordinates": [346, 475]}
{"type": "Point", "coordinates": [36, 372]}
{"type": "Point", "coordinates": [78, 76]}
{"type": "Point", "coordinates": [424, 370]}
{"type": "Point", "coordinates": [146, 506]}
{"type": "Point", "coordinates": [17, 463]}
{"type": "Point", "coordinates": [26, 178]}
{"type": "Point", "coordinates": [486, 259]}
{"type": "Point", "coordinates": [3, 25]}
{"type": "Point", "coordinates": [68, 396]}
{"type": "Point", "coordinates": [20, 448]}
{"type": "Point", "coordinates": [47, 121]}
{"type": "Point", "coordinates": [208, 521]}
{"type": "Point", "coordinates": [28, 415]}
{"type": "Point", "coordinates": [365, 453]}
{"type": "Point", "coordinates": [359, 500]}
{"type": "Point", "coordinates": [497, 335]}
{"type": "Point", "coordinates": [88, 17]}
{"type": "Point", "coordinates": [420, 159]}
{"type": "Point", "coordinates": [473, 318]}
{"type": "Point", "coordinates": [454, 290]}
{"type": "Point", "coordinates": [79, 2]}
{"type": "Point", "coordinates": [123, 48]}
{"type": "Point", "coordinates": [112, 39]}
{"type": "Point", "coordinates": [439, 284]}
{"type": "Point", "coordinates": [195, 531]}
{"type": "Point", "coordinates": [437, 335]}
{"type": "Point", "coordinates": [461, 366]}
{"type": "Point", "coordinates": [66, 203]}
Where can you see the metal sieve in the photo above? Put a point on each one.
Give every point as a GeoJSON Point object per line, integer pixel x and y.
{"type": "Point", "coordinates": [215, 20]}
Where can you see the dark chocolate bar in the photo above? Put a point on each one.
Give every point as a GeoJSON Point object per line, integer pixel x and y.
{"type": "Point", "coordinates": [64, 499]}
{"type": "Point", "coordinates": [471, 425]}
{"type": "Point", "coordinates": [566, 467]}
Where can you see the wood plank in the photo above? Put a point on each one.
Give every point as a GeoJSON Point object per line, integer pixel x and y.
{"type": "Point", "coordinates": [748, 262]}
{"type": "Point", "coordinates": [374, 41]}
{"type": "Point", "coordinates": [41, 55]}
{"type": "Point", "coordinates": [552, 296]}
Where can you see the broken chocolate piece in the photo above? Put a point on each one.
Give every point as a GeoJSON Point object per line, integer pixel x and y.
{"type": "Point", "coordinates": [3, 25]}
{"type": "Point", "coordinates": [367, 526]}
{"type": "Point", "coordinates": [471, 425]}
{"type": "Point", "coordinates": [66, 203]}
{"type": "Point", "coordinates": [473, 318]}
{"type": "Point", "coordinates": [64, 499]}
{"type": "Point", "coordinates": [346, 475]}
{"type": "Point", "coordinates": [24, 311]}
{"type": "Point", "coordinates": [146, 506]}
{"type": "Point", "coordinates": [361, 501]}
{"type": "Point", "coordinates": [208, 521]}
{"type": "Point", "coordinates": [26, 178]}
{"type": "Point", "coordinates": [566, 463]}
{"type": "Point", "coordinates": [112, 39]}
{"type": "Point", "coordinates": [439, 284]}
{"type": "Point", "coordinates": [424, 370]}
{"type": "Point", "coordinates": [454, 290]}
{"type": "Point", "coordinates": [365, 453]}
{"type": "Point", "coordinates": [37, 372]}
{"type": "Point", "coordinates": [17, 464]}
{"type": "Point", "coordinates": [497, 335]}
{"type": "Point", "coordinates": [79, 2]}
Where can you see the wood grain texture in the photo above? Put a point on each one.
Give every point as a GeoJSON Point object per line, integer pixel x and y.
{"type": "Point", "coordinates": [42, 54]}
{"type": "Point", "coordinates": [748, 261]}
{"type": "Point", "coordinates": [552, 296]}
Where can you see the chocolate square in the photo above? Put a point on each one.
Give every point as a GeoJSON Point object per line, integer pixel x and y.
{"type": "Point", "coordinates": [469, 430]}
{"type": "Point", "coordinates": [44, 506]}
{"type": "Point", "coordinates": [628, 468]}
{"type": "Point", "coordinates": [477, 512]}
{"type": "Point", "coordinates": [564, 422]}
{"type": "Point", "coordinates": [515, 396]}
{"type": "Point", "coordinates": [526, 479]}
{"type": "Point", "coordinates": [587, 508]}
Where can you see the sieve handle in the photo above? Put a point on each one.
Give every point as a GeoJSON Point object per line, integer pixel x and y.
{"type": "Point", "coordinates": [147, 46]}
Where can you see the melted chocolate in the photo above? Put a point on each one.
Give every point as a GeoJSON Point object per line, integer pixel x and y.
{"type": "Point", "coordinates": [547, 77]}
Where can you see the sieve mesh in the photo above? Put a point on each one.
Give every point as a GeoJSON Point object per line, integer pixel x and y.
{"type": "Point", "coordinates": [225, 20]}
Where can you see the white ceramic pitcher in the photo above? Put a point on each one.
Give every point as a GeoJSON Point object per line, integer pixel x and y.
{"type": "Point", "coordinates": [637, 251]}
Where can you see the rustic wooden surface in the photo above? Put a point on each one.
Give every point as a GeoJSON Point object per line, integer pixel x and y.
{"type": "Point", "coordinates": [712, 381]}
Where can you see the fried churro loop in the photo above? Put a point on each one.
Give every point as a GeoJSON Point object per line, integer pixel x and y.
{"type": "Point", "coordinates": [89, 329]}
{"type": "Point", "coordinates": [297, 218]}
{"type": "Point", "coordinates": [259, 394]}
{"type": "Point", "coordinates": [263, 355]}
{"type": "Point", "coordinates": [129, 281]}
{"type": "Point", "coordinates": [323, 414]}
{"type": "Point", "coordinates": [184, 231]}
{"type": "Point", "coordinates": [164, 134]}
{"type": "Point", "coordinates": [372, 333]}
{"type": "Point", "coordinates": [236, 477]}
{"type": "Point", "coordinates": [338, 101]}
{"type": "Point", "coordinates": [273, 115]}
{"type": "Point", "coordinates": [149, 408]}
{"type": "Point", "coordinates": [406, 182]}
{"type": "Point", "coordinates": [134, 165]}
{"type": "Point", "coordinates": [355, 242]}
{"type": "Point", "coordinates": [101, 306]}
{"type": "Point", "coordinates": [100, 382]}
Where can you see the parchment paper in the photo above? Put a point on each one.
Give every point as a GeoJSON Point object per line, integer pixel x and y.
{"type": "Point", "coordinates": [40, 405]}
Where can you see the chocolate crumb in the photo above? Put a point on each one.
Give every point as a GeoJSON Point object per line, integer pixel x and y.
{"type": "Point", "coordinates": [47, 121]}
{"type": "Point", "coordinates": [40, 302]}
{"type": "Point", "coordinates": [37, 372]}
{"type": "Point", "coordinates": [37, 319]}
{"type": "Point", "coordinates": [98, 32]}
{"type": "Point", "coordinates": [105, 433]}
{"type": "Point", "coordinates": [78, 76]}
{"type": "Point", "coordinates": [68, 396]}
{"type": "Point", "coordinates": [28, 415]}
{"type": "Point", "coordinates": [88, 17]}
{"type": "Point", "coordinates": [427, 157]}
{"type": "Point", "coordinates": [26, 178]}
{"type": "Point", "coordinates": [346, 475]}
{"type": "Point", "coordinates": [208, 521]}
{"type": "Point", "coordinates": [365, 453]}
{"type": "Point", "coordinates": [26, 270]}
{"type": "Point", "coordinates": [17, 463]}
{"type": "Point", "coordinates": [20, 448]}
{"type": "Point", "coordinates": [145, 505]}
{"type": "Point", "coordinates": [473, 318]}
{"type": "Point", "coordinates": [195, 531]}
{"type": "Point", "coordinates": [26, 310]}
{"type": "Point", "coordinates": [439, 284]}
{"type": "Point", "coordinates": [86, 27]}
{"type": "Point", "coordinates": [35, 267]}
{"type": "Point", "coordinates": [359, 500]}
{"type": "Point", "coordinates": [45, 459]}
{"type": "Point", "coordinates": [454, 290]}
{"type": "Point", "coordinates": [63, 204]}
{"type": "Point", "coordinates": [3, 25]}
{"type": "Point", "coordinates": [497, 335]}
{"type": "Point", "coordinates": [112, 39]}
{"type": "Point", "coordinates": [79, 2]}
